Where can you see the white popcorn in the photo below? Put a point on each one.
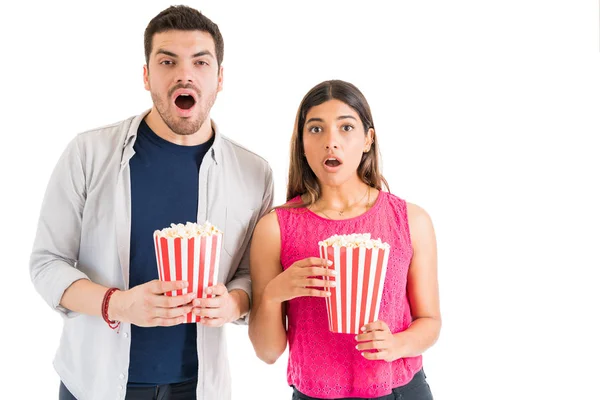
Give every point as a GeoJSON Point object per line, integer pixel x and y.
{"type": "Point", "coordinates": [354, 240]}
{"type": "Point", "coordinates": [189, 230]}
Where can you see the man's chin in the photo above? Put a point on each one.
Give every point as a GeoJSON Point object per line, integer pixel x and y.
{"type": "Point", "coordinates": [185, 127]}
{"type": "Point", "coordinates": [184, 132]}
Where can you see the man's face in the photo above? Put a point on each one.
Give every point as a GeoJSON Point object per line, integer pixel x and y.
{"type": "Point", "coordinates": [183, 78]}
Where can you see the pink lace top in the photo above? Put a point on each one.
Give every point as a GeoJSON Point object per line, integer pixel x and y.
{"type": "Point", "coordinates": [327, 365]}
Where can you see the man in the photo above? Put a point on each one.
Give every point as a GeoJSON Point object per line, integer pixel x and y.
{"type": "Point", "coordinates": [111, 189]}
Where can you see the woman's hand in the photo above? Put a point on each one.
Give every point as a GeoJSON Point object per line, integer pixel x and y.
{"type": "Point", "coordinates": [303, 278]}
{"type": "Point", "coordinates": [377, 336]}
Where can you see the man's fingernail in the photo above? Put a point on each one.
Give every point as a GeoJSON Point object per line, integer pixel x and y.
{"type": "Point", "coordinates": [209, 291]}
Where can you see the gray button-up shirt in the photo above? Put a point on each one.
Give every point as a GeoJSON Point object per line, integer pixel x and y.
{"type": "Point", "coordinates": [84, 232]}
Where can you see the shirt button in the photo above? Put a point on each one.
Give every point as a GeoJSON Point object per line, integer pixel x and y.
{"type": "Point", "coordinates": [126, 334]}
{"type": "Point", "coordinates": [120, 387]}
{"type": "Point", "coordinates": [122, 376]}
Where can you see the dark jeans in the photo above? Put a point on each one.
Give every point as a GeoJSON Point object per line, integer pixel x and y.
{"type": "Point", "coordinates": [416, 389]}
{"type": "Point", "coordinates": [173, 391]}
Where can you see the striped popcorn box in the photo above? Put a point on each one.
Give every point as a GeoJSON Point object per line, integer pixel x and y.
{"type": "Point", "coordinates": [189, 252]}
{"type": "Point", "coordinates": [360, 264]}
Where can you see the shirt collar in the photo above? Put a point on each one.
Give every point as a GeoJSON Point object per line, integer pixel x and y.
{"type": "Point", "coordinates": [128, 152]}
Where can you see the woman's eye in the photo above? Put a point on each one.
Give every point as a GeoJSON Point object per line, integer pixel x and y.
{"type": "Point", "coordinates": [315, 129]}
{"type": "Point", "coordinates": [347, 128]}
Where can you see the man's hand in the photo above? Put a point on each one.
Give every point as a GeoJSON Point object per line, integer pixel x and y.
{"type": "Point", "coordinates": [146, 305]}
{"type": "Point", "coordinates": [221, 309]}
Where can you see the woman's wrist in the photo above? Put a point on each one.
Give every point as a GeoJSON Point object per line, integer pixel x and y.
{"type": "Point", "coordinates": [402, 345]}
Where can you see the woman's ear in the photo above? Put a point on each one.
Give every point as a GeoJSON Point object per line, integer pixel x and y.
{"type": "Point", "coordinates": [369, 138]}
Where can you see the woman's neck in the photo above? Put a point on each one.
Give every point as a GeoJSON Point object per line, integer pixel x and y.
{"type": "Point", "coordinates": [344, 201]}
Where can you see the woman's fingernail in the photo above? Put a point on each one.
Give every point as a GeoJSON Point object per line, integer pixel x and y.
{"type": "Point", "coordinates": [329, 262]}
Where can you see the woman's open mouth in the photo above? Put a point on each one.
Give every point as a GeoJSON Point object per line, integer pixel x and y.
{"type": "Point", "coordinates": [332, 164]}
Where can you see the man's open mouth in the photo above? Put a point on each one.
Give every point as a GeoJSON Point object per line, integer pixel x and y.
{"type": "Point", "coordinates": [185, 101]}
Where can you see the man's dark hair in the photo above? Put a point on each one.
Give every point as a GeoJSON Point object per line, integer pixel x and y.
{"type": "Point", "coordinates": [183, 18]}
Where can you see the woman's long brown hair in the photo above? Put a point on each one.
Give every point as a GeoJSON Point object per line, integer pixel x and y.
{"type": "Point", "coordinates": [301, 179]}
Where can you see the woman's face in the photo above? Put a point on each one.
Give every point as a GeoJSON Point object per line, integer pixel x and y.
{"type": "Point", "coordinates": [334, 142]}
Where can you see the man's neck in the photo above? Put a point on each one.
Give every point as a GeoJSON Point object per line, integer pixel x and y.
{"type": "Point", "coordinates": [158, 126]}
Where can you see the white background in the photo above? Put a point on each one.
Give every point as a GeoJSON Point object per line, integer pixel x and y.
{"type": "Point", "coordinates": [488, 112]}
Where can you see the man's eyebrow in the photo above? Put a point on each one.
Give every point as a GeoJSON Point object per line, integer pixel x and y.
{"type": "Point", "coordinates": [203, 53]}
{"type": "Point", "coordinates": [167, 53]}
{"type": "Point", "coordinates": [171, 54]}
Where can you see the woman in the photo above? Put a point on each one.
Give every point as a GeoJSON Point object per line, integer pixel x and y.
{"type": "Point", "coordinates": [335, 187]}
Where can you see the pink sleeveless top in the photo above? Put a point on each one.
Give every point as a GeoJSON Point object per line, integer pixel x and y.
{"type": "Point", "coordinates": [327, 365]}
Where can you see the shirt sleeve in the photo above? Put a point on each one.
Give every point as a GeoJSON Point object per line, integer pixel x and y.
{"type": "Point", "coordinates": [53, 262]}
{"type": "Point", "coordinates": [241, 279]}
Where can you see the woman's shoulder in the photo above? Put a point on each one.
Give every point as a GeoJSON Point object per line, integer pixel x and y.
{"type": "Point", "coordinates": [292, 203]}
{"type": "Point", "coordinates": [278, 214]}
{"type": "Point", "coordinates": [394, 200]}
{"type": "Point", "coordinates": [412, 211]}
{"type": "Point", "coordinates": [414, 217]}
{"type": "Point", "coordinates": [268, 226]}
{"type": "Point", "coordinates": [292, 206]}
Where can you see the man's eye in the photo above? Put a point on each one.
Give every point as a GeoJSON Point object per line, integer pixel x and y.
{"type": "Point", "coordinates": [167, 62]}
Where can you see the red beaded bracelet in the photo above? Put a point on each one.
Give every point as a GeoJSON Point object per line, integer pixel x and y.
{"type": "Point", "coordinates": [107, 295]}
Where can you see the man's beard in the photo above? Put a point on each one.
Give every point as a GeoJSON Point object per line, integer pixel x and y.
{"type": "Point", "coordinates": [183, 126]}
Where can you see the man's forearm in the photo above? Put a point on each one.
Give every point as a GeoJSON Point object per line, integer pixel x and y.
{"type": "Point", "coordinates": [84, 296]}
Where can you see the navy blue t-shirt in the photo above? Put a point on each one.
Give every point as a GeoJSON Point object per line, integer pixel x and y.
{"type": "Point", "coordinates": [164, 190]}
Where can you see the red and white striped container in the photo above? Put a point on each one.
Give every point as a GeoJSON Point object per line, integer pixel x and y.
{"type": "Point", "coordinates": [194, 259]}
{"type": "Point", "coordinates": [360, 275]}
